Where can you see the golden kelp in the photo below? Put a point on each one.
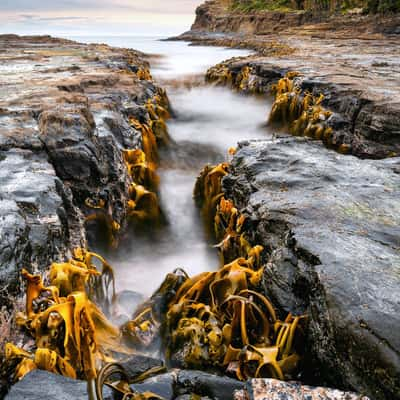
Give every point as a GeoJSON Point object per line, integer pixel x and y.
{"type": "Point", "coordinates": [141, 165]}
{"type": "Point", "coordinates": [220, 74]}
{"type": "Point", "coordinates": [143, 74]}
{"type": "Point", "coordinates": [302, 112]}
{"type": "Point", "coordinates": [221, 319]}
{"type": "Point", "coordinates": [101, 212]}
{"type": "Point", "coordinates": [144, 329]}
{"type": "Point", "coordinates": [207, 191]}
{"type": "Point", "coordinates": [72, 335]}
{"type": "Point", "coordinates": [243, 80]}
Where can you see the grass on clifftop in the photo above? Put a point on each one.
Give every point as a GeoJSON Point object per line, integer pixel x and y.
{"type": "Point", "coordinates": [260, 5]}
{"type": "Point", "coordinates": [369, 6]}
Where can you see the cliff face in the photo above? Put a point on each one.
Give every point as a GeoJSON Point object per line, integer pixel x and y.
{"type": "Point", "coordinates": [265, 17]}
{"type": "Point", "coordinates": [220, 16]}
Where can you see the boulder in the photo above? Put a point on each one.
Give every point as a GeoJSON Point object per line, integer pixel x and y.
{"type": "Point", "coordinates": [42, 385]}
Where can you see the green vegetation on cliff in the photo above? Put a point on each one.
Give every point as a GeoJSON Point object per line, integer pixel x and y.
{"type": "Point", "coordinates": [368, 6]}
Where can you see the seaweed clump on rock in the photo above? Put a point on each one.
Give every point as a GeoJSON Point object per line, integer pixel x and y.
{"type": "Point", "coordinates": [221, 319]}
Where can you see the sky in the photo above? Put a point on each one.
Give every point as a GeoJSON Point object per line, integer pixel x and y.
{"type": "Point", "coordinates": [97, 17]}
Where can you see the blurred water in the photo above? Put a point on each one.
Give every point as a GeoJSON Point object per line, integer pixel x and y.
{"type": "Point", "coordinates": [178, 58]}
{"type": "Point", "coordinates": [208, 121]}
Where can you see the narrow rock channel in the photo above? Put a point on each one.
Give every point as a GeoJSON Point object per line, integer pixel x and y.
{"type": "Point", "coordinates": [207, 122]}
{"type": "Point", "coordinates": [239, 286]}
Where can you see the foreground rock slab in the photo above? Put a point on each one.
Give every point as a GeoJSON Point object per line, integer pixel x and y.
{"type": "Point", "coordinates": [42, 385]}
{"type": "Point", "coordinates": [272, 389]}
{"type": "Point", "coordinates": [331, 227]}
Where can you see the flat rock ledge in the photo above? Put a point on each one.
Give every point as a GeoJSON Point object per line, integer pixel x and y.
{"type": "Point", "coordinates": [330, 227]}
{"type": "Point", "coordinates": [64, 120]}
{"type": "Point", "coordinates": [365, 105]}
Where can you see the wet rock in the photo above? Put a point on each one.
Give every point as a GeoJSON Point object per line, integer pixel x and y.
{"type": "Point", "coordinates": [331, 226]}
{"type": "Point", "coordinates": [184, 384]}
{"type": "Point", "coordinates": [262, 389]}
{"type": "Point", "coordinates": [138, 364]}
{"type": "Point", "coordinates": [205, 384]}
{"type": "Point", "coordinates": [34, 218]}
{"type": "Point", "coordinates": [366, 122]}
{"type": "Point", "coordinates": [42, 385]}
{"type": "Point", "coordinates": [162, 385]}
{"type": "Point", "coordinates": [64, 120]}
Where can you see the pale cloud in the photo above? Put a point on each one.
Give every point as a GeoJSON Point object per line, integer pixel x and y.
{"type": "Point", "coordinates": [91, 17]}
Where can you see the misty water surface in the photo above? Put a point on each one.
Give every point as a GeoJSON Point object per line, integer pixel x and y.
{"type": "Point", "coordinates": [208, 121]}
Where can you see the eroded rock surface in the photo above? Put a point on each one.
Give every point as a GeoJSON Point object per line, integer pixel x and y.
{"type": "Point", "coordinates": [172, 385]}
{"type": "Point", "coordinates": [331, 226]}
{"type": "Point", "coordinates": [364, 98]}
{"type": "Point", "coordinates": [34, 208]}
{"type": "Point", "coordinates": [64, 120]}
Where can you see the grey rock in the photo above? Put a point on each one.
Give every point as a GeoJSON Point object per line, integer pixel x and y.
{"type": "Point", "coordinates": [62, 131]}
{"type": "Point", "coordinates": [138, 364]}
{"type": "Point", "coordinates": [330, 224]}
{"type": "Point", "coordinates": [368, 122]}
{"type": "Point", "coordinates": [42, 385]}
{"type": "Point", "coordinates": [206, 384]}
{"type": "Point", "coordinates": [162, 385]}
{"type": "Point", "coordinates": [34, 229]}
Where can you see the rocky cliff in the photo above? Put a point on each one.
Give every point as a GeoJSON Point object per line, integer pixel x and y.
{"type": "Point", "coordinates": [262, 17]}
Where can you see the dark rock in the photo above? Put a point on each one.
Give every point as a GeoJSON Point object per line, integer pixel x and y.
{"type": "Point", "coordinates": [162, 385]}
{"type": "Point", "coordinates": [34, 226]}
{"type": "Point", "coordinates": [370, 125]}
{"type": "Point", "coordinates": [62, 131]}
{"type": "Point", "coordinates": [205, 384]}
{"type": "Point", "coordinates": [138, 364]}
{"type": "Point", "coordinates": [331, 225]}
{"type": "Point", "coordinates": [42, 385]}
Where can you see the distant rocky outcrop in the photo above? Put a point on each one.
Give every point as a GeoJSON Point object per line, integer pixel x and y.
{"type": "Point", "coordinates": [267, 17]}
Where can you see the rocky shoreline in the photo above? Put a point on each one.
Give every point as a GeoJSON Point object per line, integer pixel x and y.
{"type": "Point", "coordinates": [352, 60]}
{"type": "Point", "coordinates": [72, 119]}
{"type": "Point", "coordinates": [68, 112]}
{"type": "Point", "coordinates": [65, 112]}
{"type": "Point", "coordinates": [329, 224]}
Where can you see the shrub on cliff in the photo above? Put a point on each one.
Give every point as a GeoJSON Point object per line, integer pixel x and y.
{"type": "Point", "coordinates": [370, 6]}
